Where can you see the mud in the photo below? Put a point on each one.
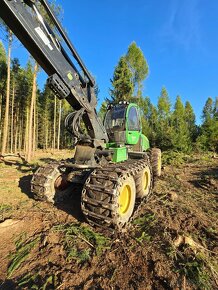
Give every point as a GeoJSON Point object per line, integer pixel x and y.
{"type": "Point", "coordinates": [172, 244]}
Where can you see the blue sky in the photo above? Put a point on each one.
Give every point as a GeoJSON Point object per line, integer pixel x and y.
{"type": "Point", "coordinates": [179, 39]}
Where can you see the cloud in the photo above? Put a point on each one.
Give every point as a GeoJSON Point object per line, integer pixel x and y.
{"type": "Point", "coordinates": [183, 23]}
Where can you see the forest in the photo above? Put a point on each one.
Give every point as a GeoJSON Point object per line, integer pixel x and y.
{"type": "Point", "coordinates": [32, 119]}
{"type": "Point", "coordinates": [170, 242]}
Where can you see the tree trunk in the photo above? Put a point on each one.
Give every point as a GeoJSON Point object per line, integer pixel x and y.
{"type": "Point", "coordinates": [59, 124]}
{"type": "Point", "coordinates": [20, 135]}
{"type": "Point", "coordinates": [34, 128]}
{"type": "Point", "coordinates": [30, 131]}
{"type": "Point", "coordinates": [54, 124]}
{"type": "Point", "coordinates": [16, 134]}
{"type": "Point", "coordinates": [46, 135]}
{"type": "Point", "coordinates": [26, 135]}
{"type": "Point", "coordinates": [12, 118]}
{"type": "Point", "coordinates": [6, 119]}
{"type": "Point", "coordinates": [37, 128]}
{"type": "Point", "coordinates": [0, 117]}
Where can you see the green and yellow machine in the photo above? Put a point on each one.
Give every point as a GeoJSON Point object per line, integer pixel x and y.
{"type": "Point", "coordinates": [123, 125]}
{"type": "Point", "coordinates": [113, 161]}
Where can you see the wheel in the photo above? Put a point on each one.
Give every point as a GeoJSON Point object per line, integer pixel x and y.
{"type": "Point", "coordinates": [126, 195]}
{"type": "Point", "coordinates": [143, 182]}
{"type": "Point", "coordinates": [50, 184]}
{"type": "Point", "coordinates": [108, 197]}
{"type": "Point", "coordinates": [156, 161]}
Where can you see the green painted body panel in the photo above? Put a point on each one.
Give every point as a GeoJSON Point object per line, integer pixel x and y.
{"type": "Point", "coordinates": [110, 145]}
{"type": "Point", "coordinates": [133, 137]}
{"type": "Point", "coordinates": [145, 143]}
{"type": "Point", "coordinates": [119, 154]}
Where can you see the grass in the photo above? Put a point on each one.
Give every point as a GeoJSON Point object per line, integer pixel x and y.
{"type": "Point", "coordinates": [81, 242]}
{"type": "Point", "coordinates": [195, 262]}
{"type": "Point", "coordinates": [32, 282]}
{"type": "Point", "coordinates": [144, 226]}
{"type": "Point", "coordinates": [5, 208]}
{"type": "Point", "coordinates": [178, 158]}
{"type": "Point", "coordinates": [79, 255]}
{"type": "Point", "coordinates": [174, 158]}
{"type": "Point", "coordinates": [196, 271]}
{"type": "Point", "coordinates": [23, 249]}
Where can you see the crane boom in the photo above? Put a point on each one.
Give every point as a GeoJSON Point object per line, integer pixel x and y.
{"type": "Point", "coordinates": [23, 17]}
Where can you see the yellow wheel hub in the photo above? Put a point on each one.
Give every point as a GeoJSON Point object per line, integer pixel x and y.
{"type": "Point", "coordinates": [159, 163]}
{"type": "Point", "coordinates": [124, 198]}
{"type": "Point", "coordinates": [146, 180]}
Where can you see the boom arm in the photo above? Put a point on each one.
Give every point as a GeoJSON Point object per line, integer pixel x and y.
{"type": "Point", "coordinates": [26, 22]}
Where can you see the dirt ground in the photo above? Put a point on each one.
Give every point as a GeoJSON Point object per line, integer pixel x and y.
{"type": "Point", "coordinates": [172, 244]}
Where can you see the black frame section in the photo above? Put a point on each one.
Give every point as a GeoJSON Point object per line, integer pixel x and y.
{"type": "Point", "coordinates": [64, 78]}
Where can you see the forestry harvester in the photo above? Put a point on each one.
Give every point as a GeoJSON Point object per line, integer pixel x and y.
{"type": "Point", "coordinates": [113, 161]}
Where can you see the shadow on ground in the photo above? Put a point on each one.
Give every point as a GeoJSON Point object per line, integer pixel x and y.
{"type": "Point", "coordinates": [21, 166]}
{"type": "Point", "coordinates": [71, 204]}
{"type": "Point", "coordinates": [47, 160]}
{"type": "Point", "coordinates": [207, 179]}
{"type": "Point", "coordinates": [8, 285]}
{"type": "Point", "coordinates": [25, 185]}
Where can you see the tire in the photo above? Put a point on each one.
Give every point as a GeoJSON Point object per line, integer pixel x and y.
{"type": "Point", "coordinates": [109, 202]}
{"type": "Point", "coordinates": [125, 200]}
{"type": "Point", "coordinates": [143, 182]}
{"type": "Point", "coordinates": [156, 161]}
{"type": "Point", "coordinates": [49, 184]}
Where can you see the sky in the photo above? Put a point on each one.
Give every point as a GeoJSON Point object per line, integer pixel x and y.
{"type": "Point", "coordinates": [179, 39]}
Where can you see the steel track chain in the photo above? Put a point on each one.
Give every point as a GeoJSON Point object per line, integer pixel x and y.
{"type": "Point", "coordinates": [131, 167]}
{"type": "Point", "coordinates": [41, 178]}
{"type": "Point", "coordinates": [100, 194]}
{"type": "Point", "coordinates": [42, 183]}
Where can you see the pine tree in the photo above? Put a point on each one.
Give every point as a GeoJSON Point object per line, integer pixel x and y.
{"type": "Point", "coordinates": [103, 110]}
{"type": "Point", "coordinates": [215, 112]}
{"type": "Point", "coordinates": [121, 82]}
{"type": "Point", "coordinates": [27, 106]}
{"type": "Point", "coordinates": [15, 70]}
{"type": "Point", "coordinates": [145, 109]}
{"type": "Point", "coordinates": [208, 111]}
{"type": "Point", "coordinates": [6, 118]}
{"type": "Point", "coordinates": [138, 66]}
{"type": "Point", "coordinates": [190, 121]}
{"type": "Point", "coordinates": [31, 110]}
{"type": "Point", "coordinates": [3, 73]}
{"type": "Point", "coordinates": [164, 104]}
{"type": "Point", "coordinates": [208, 139]}
{"type": "Point", "coordinates": [45, 105]}
{"type": "Point", "coordinates": [59, 123]}
{"type": "Point", "coordinates": [54, 123]}
{"type": "Point", "coordinates": [154, 125]}
{"type": "Point", "coordinates": [23, 94]}
{"type": "Point", "coordinates": [181, 138]}
{"type": "Point", "coordinates": [164, 128]}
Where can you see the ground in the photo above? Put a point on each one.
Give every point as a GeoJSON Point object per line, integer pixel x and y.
{"type": "Point", "coordinates": [171, 244]}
